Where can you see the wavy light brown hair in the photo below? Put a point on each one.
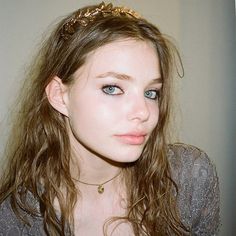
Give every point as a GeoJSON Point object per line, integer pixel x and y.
{"type": "Point", "coordinates": [39, 153]}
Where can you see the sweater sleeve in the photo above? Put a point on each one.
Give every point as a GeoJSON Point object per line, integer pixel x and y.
{"type": "Point", "coordinates": [198, 189]}
{"type": "Point", "coordinates": [11, 225]}
{"type": "Point", "coordinates": [205, 197]}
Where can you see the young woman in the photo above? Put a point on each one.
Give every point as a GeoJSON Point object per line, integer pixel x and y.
{"type": "Point", "coordinates": [88, 154]}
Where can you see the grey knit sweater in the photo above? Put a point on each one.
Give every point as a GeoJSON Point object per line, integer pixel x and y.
{"type": "Point", "coordinates": [198, 198]}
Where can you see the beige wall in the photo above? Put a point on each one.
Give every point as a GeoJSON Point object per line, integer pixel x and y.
{"type": "Point", "coordinates": [208, 98]}
{"type": "Point", "coordinates": [205, 34]}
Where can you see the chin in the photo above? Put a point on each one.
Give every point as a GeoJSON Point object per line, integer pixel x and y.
{"type": "Point", "coordinates": [128, 158]}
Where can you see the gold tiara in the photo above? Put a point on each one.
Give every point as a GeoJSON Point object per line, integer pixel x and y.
{"type": "Point", "coordinates": [84, 16]}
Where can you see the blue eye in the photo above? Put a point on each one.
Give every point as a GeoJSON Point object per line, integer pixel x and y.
{"type": "Point", "coordinates": [112, 90]}
{"type": "Point", "coordinates": [152, 94]}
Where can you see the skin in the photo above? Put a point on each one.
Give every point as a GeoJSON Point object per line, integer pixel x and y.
{"type": "Point", "coordinates": [111, 110]}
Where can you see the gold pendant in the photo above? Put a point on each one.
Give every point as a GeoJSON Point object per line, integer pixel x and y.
{"type": "Point", "coordinates": [100, 189]}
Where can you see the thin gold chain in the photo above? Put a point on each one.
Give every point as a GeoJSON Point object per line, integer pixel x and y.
{"type": "Point", "coordinates": [82, 182]}
{"type": "Point", "coordinates": [100, 186]}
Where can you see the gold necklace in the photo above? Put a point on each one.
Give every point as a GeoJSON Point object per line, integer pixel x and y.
{"type": "Point", "coordinates": [100, 186]}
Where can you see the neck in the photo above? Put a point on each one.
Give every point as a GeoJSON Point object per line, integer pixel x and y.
{"type": "Point", "coordinates": [93, 169]}
{"type": "Point", "coordinates": [96, 172]}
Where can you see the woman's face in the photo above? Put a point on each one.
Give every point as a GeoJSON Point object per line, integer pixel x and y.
{"type": "Point", "coordinates": [112, 106]}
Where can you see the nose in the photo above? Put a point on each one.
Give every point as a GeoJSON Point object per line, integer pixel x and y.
{"type": "Point", "coordinates": [138, 109]}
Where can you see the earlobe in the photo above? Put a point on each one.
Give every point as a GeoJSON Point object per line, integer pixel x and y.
{"type": "Point", "coordinates": [56, 92]}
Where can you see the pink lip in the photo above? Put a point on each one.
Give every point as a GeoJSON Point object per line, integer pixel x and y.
{"type": "Point", "coordinates": [132, 138]}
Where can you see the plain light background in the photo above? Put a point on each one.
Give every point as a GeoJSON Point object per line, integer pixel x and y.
{"type": "Point", "coordinates": [204, 31]}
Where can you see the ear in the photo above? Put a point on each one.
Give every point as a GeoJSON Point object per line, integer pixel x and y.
{"type": "Point", "coordinates": [56, 93]}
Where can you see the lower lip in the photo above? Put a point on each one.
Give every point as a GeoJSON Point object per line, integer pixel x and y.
{"type": "Point", "coordinates": [131, 139]}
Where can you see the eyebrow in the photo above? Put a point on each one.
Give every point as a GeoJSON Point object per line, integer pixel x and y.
{"type": "Point", "coordinates": [124, 77]}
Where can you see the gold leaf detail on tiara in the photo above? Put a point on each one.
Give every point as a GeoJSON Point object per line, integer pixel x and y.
{"type": "Point", "coordinates": [84, 17]}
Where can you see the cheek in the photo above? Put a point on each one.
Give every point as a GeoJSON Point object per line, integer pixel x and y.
{"type": "Point", "coordinates": [94, 113]}
{"type": "Point", "coordinates": [154, 116]}
{"type": "Point", "coordinates": [108, 108]}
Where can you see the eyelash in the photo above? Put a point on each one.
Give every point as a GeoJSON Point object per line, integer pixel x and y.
{"type": "Point", "coordinates": [156, 96]}
{"type": "Point", "coordinates": [114, 86]}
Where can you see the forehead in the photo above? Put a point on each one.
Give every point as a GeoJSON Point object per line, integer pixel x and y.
{"type": "Point", "coordinates": [132, 57]}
